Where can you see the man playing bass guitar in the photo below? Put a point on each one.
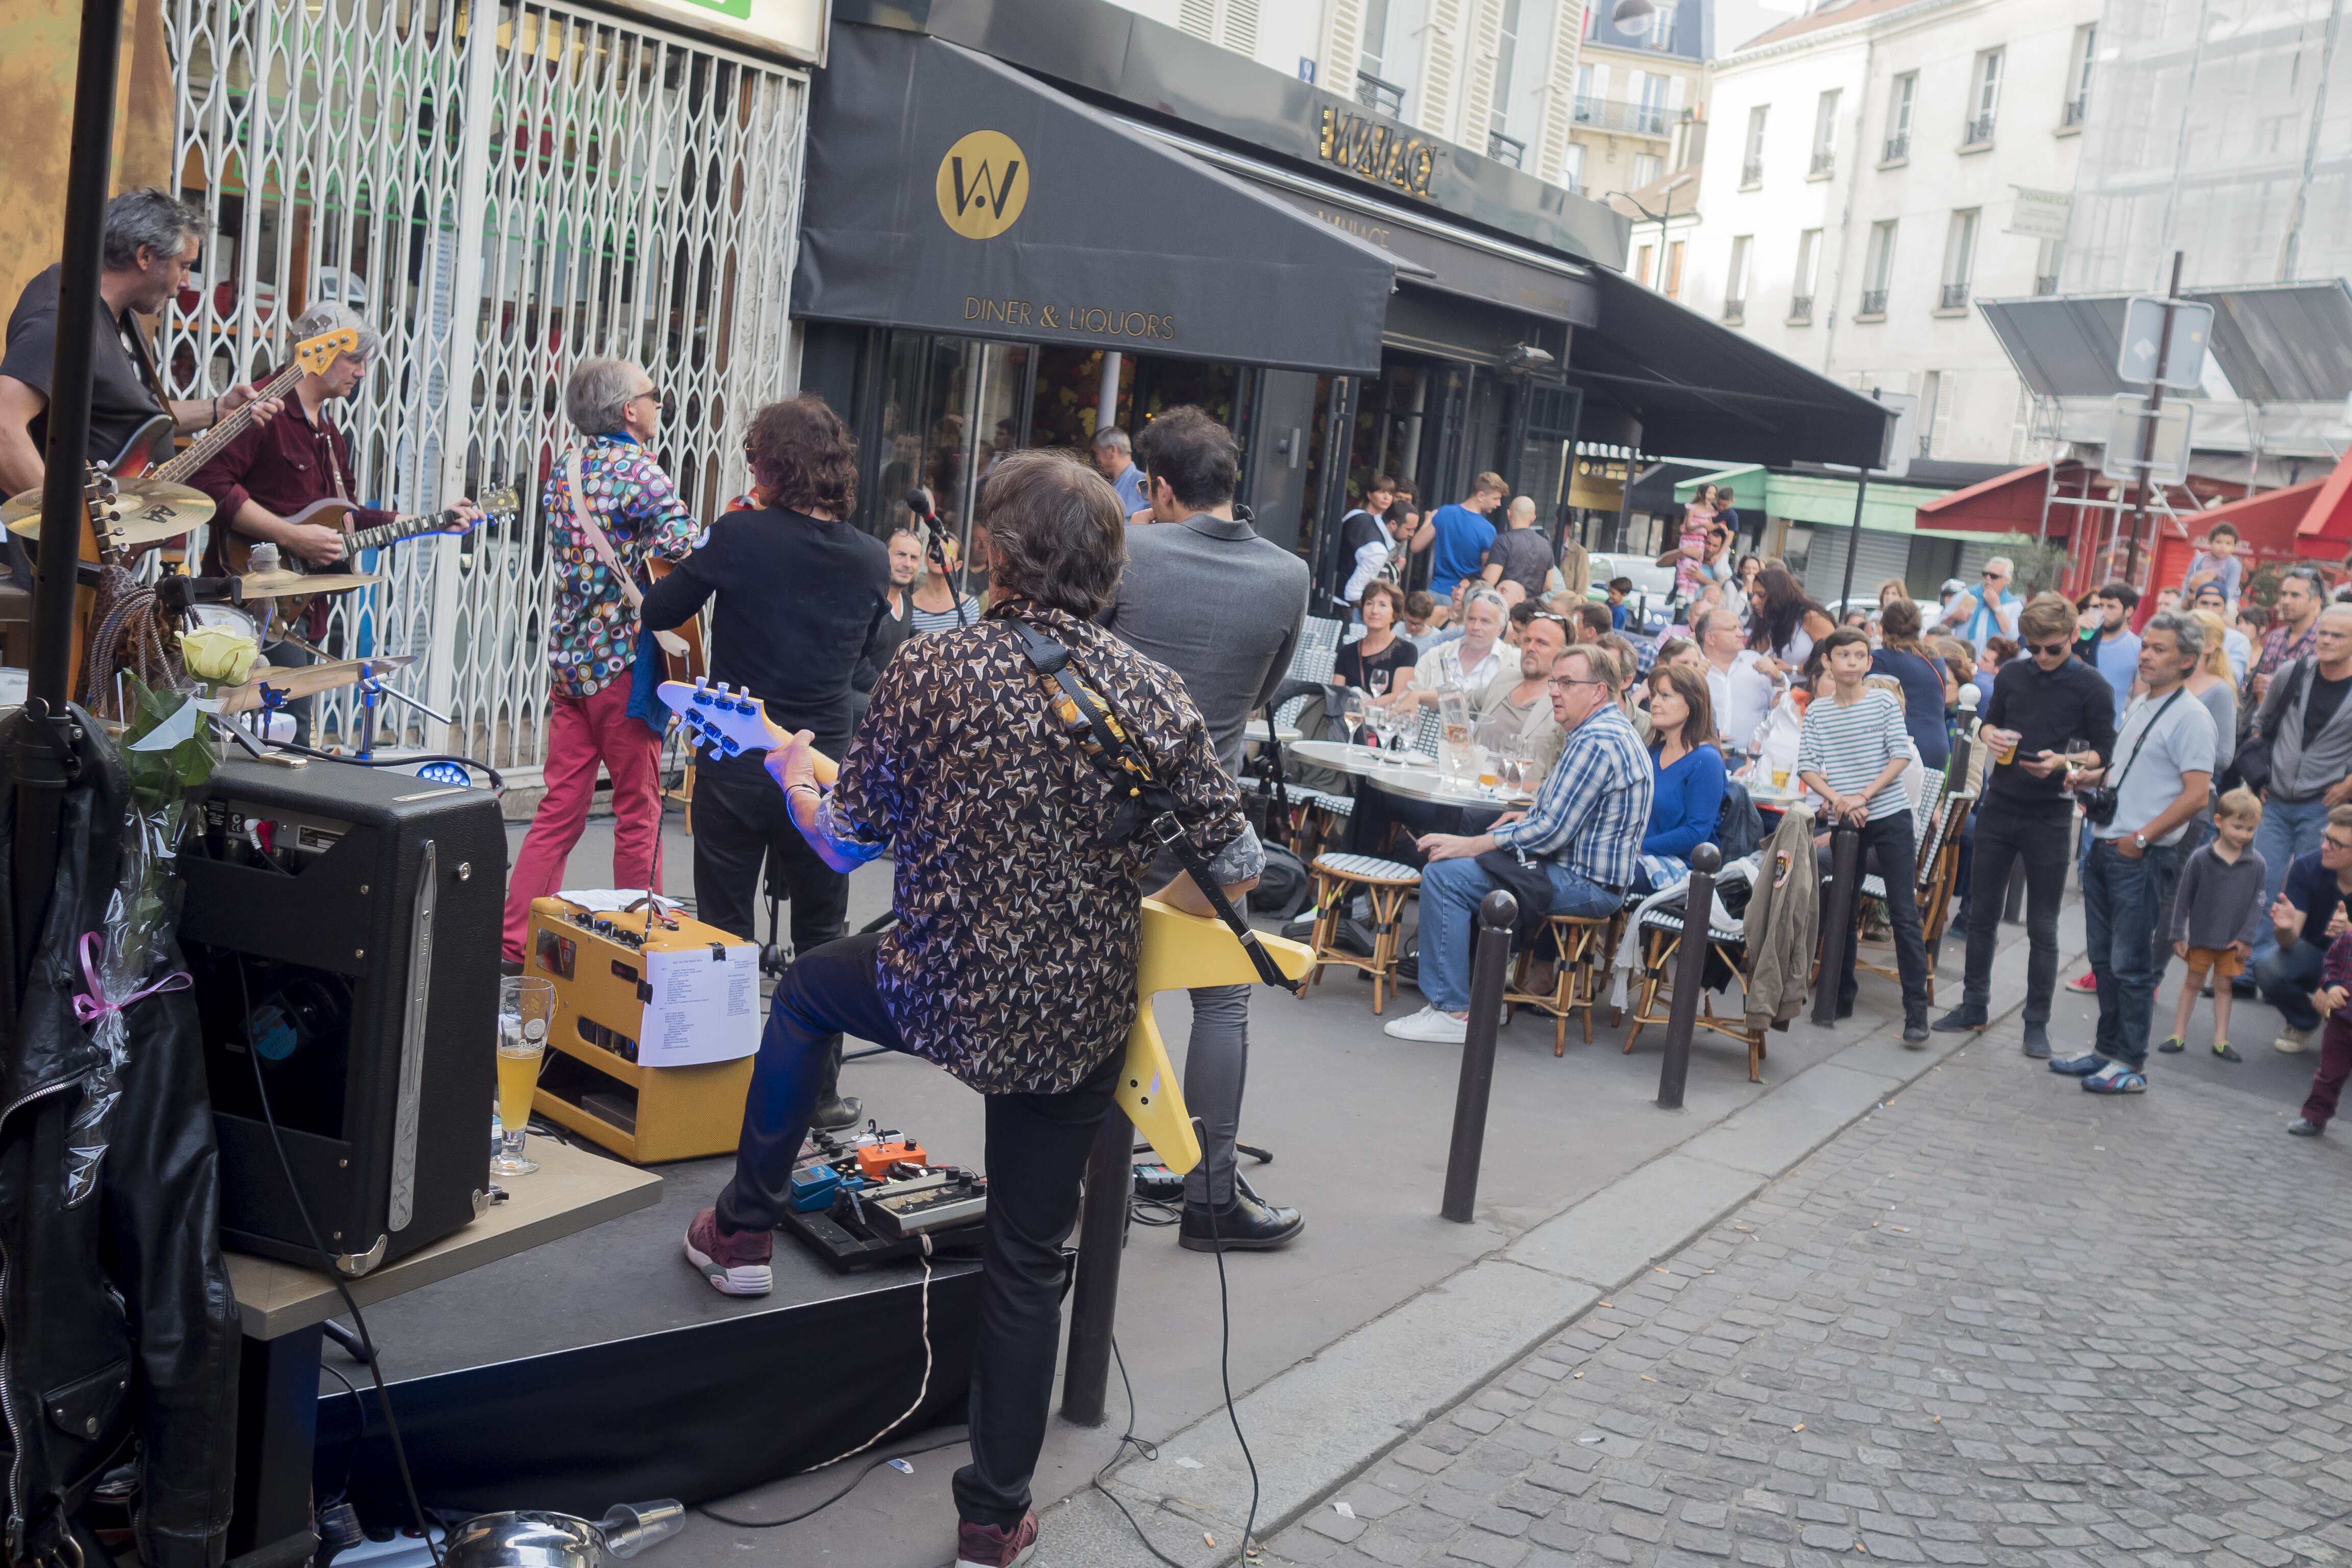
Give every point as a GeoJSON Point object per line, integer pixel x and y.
{"type": "Point", "coordinates": [272, 473]}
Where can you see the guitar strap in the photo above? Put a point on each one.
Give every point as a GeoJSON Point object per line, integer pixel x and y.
{"type": "Point", "coordinates": [1129, 770]}
{"type": "Point", "coordinates": [672, 644]}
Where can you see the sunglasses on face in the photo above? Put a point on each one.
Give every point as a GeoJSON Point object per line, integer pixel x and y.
{"type": "Point", "coordinates": [2051, 649]}
{"type": "Point", "coordinates": [2339, 845]}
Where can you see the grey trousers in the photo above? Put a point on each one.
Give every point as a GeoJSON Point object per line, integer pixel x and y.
{"type": "Point", "coordinates": [1216, 1066]}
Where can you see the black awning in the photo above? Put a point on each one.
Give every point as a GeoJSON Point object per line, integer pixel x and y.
{"type": "Point", "coordinates": [1701, 390]}
{"type": "Point", "coordinates": [948, 191]}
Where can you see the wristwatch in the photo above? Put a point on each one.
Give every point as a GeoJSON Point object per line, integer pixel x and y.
{"type": "Point", "coordinates": [2140, 839]}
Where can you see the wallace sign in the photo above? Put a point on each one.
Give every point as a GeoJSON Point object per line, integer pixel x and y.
{"type": "Point", "coordinates": [1378, 149]}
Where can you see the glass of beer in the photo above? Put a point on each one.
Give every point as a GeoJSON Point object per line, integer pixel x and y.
{"type": "Point", "coordinates": [526, 1009]}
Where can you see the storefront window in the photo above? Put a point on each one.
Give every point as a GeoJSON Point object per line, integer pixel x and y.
{"type": "Point", "coordinates": [950, 408]}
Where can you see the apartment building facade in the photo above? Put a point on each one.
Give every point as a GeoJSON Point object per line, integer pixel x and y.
{"type": "Point", "coordinates": [1495, 76]}
{"type": "Point", "coordinates": [1883, 165]}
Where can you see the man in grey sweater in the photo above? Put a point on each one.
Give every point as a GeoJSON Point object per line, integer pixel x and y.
{"type": "Point", "coordinates": [2311, 752]}
{"type": "Point", "coordinates": [1204, 596]}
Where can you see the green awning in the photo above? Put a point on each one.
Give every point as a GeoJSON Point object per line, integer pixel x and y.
{"type": "Point", "coordinates": [1823, 502]}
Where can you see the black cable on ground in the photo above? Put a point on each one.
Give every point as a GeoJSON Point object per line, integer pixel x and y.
{"type": "Point", "coordinates": [383, 1399]}
{"type": "Point", "coordinates": [876, 1463]}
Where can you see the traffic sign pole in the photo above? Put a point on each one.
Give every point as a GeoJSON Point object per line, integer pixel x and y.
{"type": "Point", "coordinates": [2154, 406]}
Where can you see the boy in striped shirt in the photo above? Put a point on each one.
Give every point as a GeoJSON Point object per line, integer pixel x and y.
{"type": "Point", "coordinates": [1852, 750]}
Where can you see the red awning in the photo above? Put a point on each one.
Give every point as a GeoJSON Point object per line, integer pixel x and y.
{"type": "Point", "coordinates": [2328, 520]}
{"type": "Point", "coordinates": [2007, 503]}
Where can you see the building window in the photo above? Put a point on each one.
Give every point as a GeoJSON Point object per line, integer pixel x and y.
{"type": "Point", "coordinates": [2045, 265]}
{"type": "Point", "coordinates": [1960, 257]}
{"type": "Point", "coordinates": [1809, 263]}
{"type": "Point", "coordinates": [1984, 99]}
{"type": "Point", "coordinates": [1825, 135]}
{"type": "Point", "coordinates": [1651, 119]}
{"type": "Point", "coordinates": [1572, 168]}
{"type": "Point", "coordinates": [1898, 116]}
{"type": "Point", "coordinates": [1674, 271]}
{"type": "Point", "coordinates": [1931, 393]}
{"type": "Point", "coordinates": [1641, 265]}
{"type": "Point", "coordinates": [1507, 50]}
{"type": "Point", "coordinates": [2078, 101]}
{"type": "Point", "coordinates": [1648, 170]}
{"type": "Point", "coordinates": [1751, 167]}
{"type": "Point", "coordinates": [1878, 269]}
{"type": "Point", "coordinates": [1735, 282]}
{"type": "Point", "coordinates": [1374, 49]}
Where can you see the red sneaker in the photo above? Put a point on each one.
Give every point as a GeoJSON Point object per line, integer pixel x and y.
{"type": "Point", "coordinates": [2087, 983]}
{"type": "Point", "coordinates": [735, 1265]}
{"type": "Point", "coordinates": [988, 1546]}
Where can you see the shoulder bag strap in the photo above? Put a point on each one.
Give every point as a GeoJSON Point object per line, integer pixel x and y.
{"type": "Point", "coordinates": [1131, 771]}
{"type": "Point", "coordinates": [2141, 744]}
{"type": "Point", "coordinates": [671, 643]}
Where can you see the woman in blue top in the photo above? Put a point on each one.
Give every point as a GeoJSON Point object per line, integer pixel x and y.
{"type": "Point", "coordinates": [1686, 800]}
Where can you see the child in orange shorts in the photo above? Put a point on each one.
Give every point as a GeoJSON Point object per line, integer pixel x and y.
{"type": "Point", "coordinates": [2216, 914]}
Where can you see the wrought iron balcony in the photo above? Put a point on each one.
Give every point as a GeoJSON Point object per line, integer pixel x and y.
{"type": "Point", "coordinates": [1380, 97]}
{"type": "Point", "coordinates": [1751, 173]}
{"type": "Point", "coordinates": [1954, 295]}
{"type": "Point", "coordinates": [1507, 149]}
{"type": "Point", "coordinates": [1616, 114]}
{"type": "Point", "coordinates": [2075, 111]}
{"type": "Point", "coordinates": [1873, 302]}
{"type": "Point", "coordinates": [1979, 131]}
{"type": "Point", "coordinates": [1824, 163]}
{"type": "Point", "coordinates": [1735, 311]}
{"type": "Point", "coordinates": [1897, 148]}
{"type": "Point", "coordinates": [1801, 308]}
{"type": "Point", "coordinates": [2045, 283]}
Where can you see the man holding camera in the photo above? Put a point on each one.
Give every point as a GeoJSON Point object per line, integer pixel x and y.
{"type": "Point", "coordinates": [2158, 780]}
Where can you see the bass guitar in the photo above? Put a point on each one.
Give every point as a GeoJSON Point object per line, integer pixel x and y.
{"type": "Point", "coordinates": [237, 549]}
{"type": "Point", "coordinates": [1177, 950]}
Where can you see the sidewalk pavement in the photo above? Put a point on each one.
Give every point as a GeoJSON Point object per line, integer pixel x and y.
{"type": "Point", "coordinates": [1995, 1322]}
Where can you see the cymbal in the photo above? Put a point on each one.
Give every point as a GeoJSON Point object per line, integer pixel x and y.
{"type": "Point", "coordinates": [151, 510]}
{"type": "Point", "coordinates": [306, 681]}
{"type": "Point", "coordinates": [282, 584]}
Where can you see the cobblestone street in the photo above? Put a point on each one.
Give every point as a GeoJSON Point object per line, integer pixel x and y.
{"type": "Point", "coordinates": [1997, 1321]}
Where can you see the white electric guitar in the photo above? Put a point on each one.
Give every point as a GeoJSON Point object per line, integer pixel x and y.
{"type": "Point", "coordinates": [1180, 951]}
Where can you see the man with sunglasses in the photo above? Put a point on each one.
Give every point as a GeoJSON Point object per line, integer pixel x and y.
{"type": "Point", "coordinates": [1991, 610]}
{"type": "Point", "coordinates": [1585, 830]}
{"type": "Point", "coordinates": [2040, 704]}
{"type": "Point", "coordinates": [592, 631]}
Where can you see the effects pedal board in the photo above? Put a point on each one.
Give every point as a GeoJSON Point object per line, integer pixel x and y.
{"type": "Point", "coordinates": [872, 1197]}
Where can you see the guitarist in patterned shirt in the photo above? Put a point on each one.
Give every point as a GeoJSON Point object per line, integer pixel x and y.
{"type": "Point", "coordinates": [275, 469]}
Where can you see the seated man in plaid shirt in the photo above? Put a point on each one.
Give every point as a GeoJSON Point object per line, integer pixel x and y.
{"type": "Point", "coordinates": [1585, 830]}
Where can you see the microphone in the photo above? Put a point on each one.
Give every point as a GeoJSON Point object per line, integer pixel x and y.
{"type": "Point", "coordinates": [918, 502]}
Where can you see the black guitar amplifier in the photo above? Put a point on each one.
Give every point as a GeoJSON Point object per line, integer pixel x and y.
{"type": "Point", "coordinates": [341, 924]}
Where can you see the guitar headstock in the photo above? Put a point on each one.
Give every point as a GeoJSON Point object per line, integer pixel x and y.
{"type": "Point", "coordinates": [731, 722]}
{"type": "Point", "coordinates": [315, 354]}
{"type": "Point", "coordinates": [500, 504]}
{"type": "Point", "coordinates": [101, 502]}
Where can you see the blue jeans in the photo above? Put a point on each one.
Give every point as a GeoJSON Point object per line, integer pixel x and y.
{"type": "Point", "coordinates": [2289, 829]}
{"type": "Point", "coordinates": [2287, 978]}
{"type": "Point", "coordinates": [1451, 891]}
{"type": "Point", "coordinates": [2120, 897]}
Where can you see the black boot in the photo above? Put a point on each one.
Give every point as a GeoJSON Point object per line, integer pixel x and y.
{"type": "Point", "coordinates": [833, 1113]}
{"type": "Point", "coordinates": [1245, 1225]}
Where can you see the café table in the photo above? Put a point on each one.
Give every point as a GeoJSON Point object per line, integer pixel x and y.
{"type": "Point", "coordinates": [1289, 735]}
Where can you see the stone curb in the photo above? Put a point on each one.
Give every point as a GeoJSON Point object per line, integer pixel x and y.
{"type": "Point", "coordinates": [1314, 1427]}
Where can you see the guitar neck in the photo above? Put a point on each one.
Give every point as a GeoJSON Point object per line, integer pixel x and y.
{"type": "Point", "coordinates": [398, 529]}
{"type": "Point", "coordinates": [228, 429]}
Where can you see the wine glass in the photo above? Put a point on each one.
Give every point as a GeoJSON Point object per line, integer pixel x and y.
{"type": "Point", "coordinates": [1351, 712]}
{"type": "Point", "coordinates": [1377, 680]}
{"type": "Point", "coordinates": [2074, 743]}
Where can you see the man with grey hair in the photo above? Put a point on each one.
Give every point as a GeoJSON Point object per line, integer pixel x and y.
{"type": "Point", "coordinates": [150, 243]}
{"type": "Point", "coordinates": [1114, 460]}
{"type": "Point", "coordinates": [2161, 766]}
{"type": "Point", "coordinates": [270, 472]}
{"type": "Point", "coordinates": [1989, 611]}
{"type": "Point", "coordinates": [609, 510]}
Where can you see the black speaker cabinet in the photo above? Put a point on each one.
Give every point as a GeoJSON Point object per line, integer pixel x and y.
{"type": "Point", "coordinates": [342, 926]}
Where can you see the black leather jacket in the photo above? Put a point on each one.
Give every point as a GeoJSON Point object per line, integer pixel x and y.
{"type": "Point", "coordinates": [116, 1318]}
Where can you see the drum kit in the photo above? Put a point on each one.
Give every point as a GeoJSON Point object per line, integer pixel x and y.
{"type": "Point", "coordinates": [150, 510]}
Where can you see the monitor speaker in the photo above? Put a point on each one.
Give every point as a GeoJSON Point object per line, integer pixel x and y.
{"type": "Point", "coordinates": [341, 925]}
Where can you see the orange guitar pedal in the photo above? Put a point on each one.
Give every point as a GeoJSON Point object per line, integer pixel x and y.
{"type": "Point", "coordinates": [876, 1159]}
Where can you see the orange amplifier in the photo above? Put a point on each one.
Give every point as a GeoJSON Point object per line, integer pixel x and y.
{"type": "Point", "coordinates": [654, 1031]}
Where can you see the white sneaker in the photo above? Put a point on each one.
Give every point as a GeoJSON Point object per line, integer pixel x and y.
{"type": "Point", "coordinates": [2294, 1042]}
{"type": "Point", "coordinates": [1431, 1023]}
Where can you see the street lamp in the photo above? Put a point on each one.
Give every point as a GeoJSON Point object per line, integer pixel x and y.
{"type": "Point", "coordinates": [1632, 17]}
{"type": "Point", "coordinates": [1659, 218]}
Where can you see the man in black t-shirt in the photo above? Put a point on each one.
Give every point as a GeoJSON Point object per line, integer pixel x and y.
{"type": "Point", "coordinates": [801, 595]}
{"type": "Point", "coordinates": [1520, 556]}
{"type": "Point", "coordinates": [150, 243]}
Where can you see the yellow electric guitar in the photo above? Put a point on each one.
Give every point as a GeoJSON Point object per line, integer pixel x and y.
{"type": "Point", "coordinates": [1180, 951]}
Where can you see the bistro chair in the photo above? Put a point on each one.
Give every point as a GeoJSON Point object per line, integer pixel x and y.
{"type": "Point", "coordinates": [1577, 939]}
{"type": "Point", "coordinates": [1385, 883]}
{"type": "Point", "coordinates": [1662, 940]}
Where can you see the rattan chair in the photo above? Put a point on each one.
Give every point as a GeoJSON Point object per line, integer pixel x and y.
{"type": "Point", "coordinates": [1577, 939]}
{"type": "Point", "coordinates": [1385, 883]}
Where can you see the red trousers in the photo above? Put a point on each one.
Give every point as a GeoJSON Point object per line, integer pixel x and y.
{"type": "Point", "coordinates": [2335, 1067]}
{"type": "Point", "coordinates": [579, 735]}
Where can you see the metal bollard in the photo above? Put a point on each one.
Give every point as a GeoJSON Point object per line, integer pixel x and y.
{"type": "Point", "coordinates": [1094, 1295]}
{"type": "Point", "coordinates": [1839, 901]}
{"type": "Point", "coordinates": [1690, 975]}
{"type": "Point", "coordinates": [1495, 915]}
